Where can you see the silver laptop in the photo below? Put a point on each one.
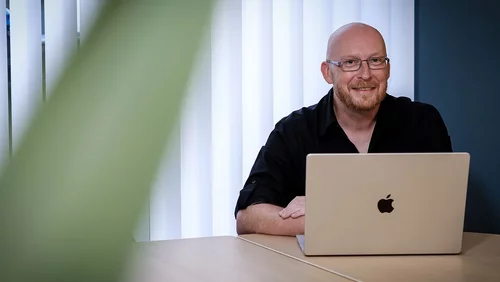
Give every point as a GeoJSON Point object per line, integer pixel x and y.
{"type": "Point", "coordinates": [377, 204]}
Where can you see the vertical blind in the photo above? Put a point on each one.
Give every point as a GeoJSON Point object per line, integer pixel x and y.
{"type": "Point", "coordinates": [43, 35]}
{"type": "Point", "coordinates": [260, 61]}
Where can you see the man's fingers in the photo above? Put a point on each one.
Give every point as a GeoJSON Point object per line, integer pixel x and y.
{"type": "Point", "coordinates": [286, 212]}
{"type": "Point", "coordinates": [282, 212]}
{"type": "Point", "coordinates": [294, 209]}
{"type": "Point", "coordinates": [285, 216]}
{"type": "Point", "coordinates": [298, 213]}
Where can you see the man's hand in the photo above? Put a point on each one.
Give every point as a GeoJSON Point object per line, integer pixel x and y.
{"type": "Point", "coordinates": [296, 208]}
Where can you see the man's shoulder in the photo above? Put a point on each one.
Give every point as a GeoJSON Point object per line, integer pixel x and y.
{"type": "Point", "coordinates": [303, 116]}
{"type": "Point", "coordinates": [300, 122]}
{"type": "Point", "coordinates": [404, 106]}
{"type": "Point", "coordinates": [423, 123]}
{"type": "Point", "coordinates": [298, 116]}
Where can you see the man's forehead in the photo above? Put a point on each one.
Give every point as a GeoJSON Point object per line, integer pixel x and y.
{"type": "Point", "coordinates": [358, 44]}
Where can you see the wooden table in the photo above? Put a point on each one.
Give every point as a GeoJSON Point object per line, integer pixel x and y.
{"type": "Point", "coordinates": [479, 261]}
{"type": "Point", "coordinates": [218, 259]}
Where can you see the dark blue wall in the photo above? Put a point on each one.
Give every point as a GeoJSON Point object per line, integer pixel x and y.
{"type": "Point", "coordinates": [457, 60]}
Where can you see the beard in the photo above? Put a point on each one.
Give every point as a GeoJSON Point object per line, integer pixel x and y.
{"type": "Point", "coordinates": [362, 102]}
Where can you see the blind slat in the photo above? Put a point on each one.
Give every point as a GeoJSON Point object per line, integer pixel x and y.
{"type": "Point", "coordinates": [226, 107]}
{"type": "Point", "coordinates": [196, 206]}
{"type": "Point", "coordinates": [287, 57]}
{"type": "Point", "coordinates": [317, 22]}
{"type": "Point", "coordinates": [4, 85]}
{"type": "Point", "coordinates": [60, 37]}
{"type": "Point", "coordinates": [87, 15]}
{"type": "Point", "coordinates": [257, 77]}
{"type": "Point", "coordinates": [26, 63]}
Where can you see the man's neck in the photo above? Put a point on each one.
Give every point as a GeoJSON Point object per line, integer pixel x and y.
{"type": "Point", "coordinates": [352, 120]}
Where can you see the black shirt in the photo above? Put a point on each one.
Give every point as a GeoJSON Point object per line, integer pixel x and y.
{"type": "Point", "coordinates": [278, 174]}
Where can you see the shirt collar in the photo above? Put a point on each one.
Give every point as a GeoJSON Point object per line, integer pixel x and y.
{"type": "Point", "coordinates": [327, 114]}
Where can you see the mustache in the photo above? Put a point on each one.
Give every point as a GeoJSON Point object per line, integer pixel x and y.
{"type": "Point", "coordinates": [364, 84]}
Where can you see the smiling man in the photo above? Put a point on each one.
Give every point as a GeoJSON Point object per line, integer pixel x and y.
{"type": "Point", "coordinates": [355, 116]}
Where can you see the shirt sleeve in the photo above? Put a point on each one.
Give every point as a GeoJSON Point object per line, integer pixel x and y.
{"type": "Point", "coordinates": [270, 178]}
{"type": "Point", "coordinates": [436, 134]}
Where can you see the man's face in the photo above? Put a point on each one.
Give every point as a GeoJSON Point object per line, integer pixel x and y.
{"type": "Point", "coordinates": [361, 90]}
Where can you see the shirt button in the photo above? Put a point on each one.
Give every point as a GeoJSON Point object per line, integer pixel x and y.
{"type": "Point", "coordinates": [254, 181]}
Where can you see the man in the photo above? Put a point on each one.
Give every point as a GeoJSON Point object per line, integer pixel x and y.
{"type": "Point", "coordinates": [356, 116]}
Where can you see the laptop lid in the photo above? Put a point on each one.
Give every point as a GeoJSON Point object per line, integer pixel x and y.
{"type": "Point", "coordinates": [365, 204]}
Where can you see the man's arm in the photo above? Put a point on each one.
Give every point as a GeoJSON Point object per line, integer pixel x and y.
{"type": "Point", "coordinates": [436, 134]}
{"type": "Point", "coordinates": [273, 183]}
{"type": "Point", "coordinates": [265, 219]}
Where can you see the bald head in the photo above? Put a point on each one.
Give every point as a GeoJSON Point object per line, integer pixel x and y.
{"type": "Point", "coordinates": [353, 39]}
{"type": "Point", "coordinates": [361, 89]}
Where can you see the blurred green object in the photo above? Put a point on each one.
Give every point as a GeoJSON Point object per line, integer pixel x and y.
{"type": "Point", "coordinates": [72, 194]}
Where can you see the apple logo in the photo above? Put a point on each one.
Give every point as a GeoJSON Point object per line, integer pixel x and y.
{"type": "Point", "coordinates": [385, 205]}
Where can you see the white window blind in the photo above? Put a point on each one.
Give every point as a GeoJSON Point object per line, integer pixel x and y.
{"type": "Point", "coordinates": [260, 61]}
{"type": "Point", "coordinates": [265, 62]}
{"type": "Point", "coordinates": [40, 31]}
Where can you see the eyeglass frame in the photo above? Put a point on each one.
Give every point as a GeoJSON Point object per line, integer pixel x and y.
{"type": "Point", "coordinates": [339, 63]}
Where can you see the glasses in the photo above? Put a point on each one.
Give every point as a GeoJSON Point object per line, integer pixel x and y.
{"type": "Point", "coordinates": [375, 63]}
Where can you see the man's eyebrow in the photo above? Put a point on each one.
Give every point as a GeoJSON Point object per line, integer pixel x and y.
{"type": "Point", "coordinates": [375, 54]}
{"type": "Point", "coordinates": [349, 57]}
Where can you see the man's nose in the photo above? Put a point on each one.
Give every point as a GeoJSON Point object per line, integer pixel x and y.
{"type": "Point", "coordinates": [365, 71]}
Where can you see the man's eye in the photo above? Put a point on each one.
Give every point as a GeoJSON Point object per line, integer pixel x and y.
{"type": "Point", "coordinates": [350, 62]}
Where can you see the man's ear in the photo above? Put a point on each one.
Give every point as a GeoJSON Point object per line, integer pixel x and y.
{"type": "Point", "coordinates": [327, 74]}
{"type": "Point", "coordinates": [388, 70]}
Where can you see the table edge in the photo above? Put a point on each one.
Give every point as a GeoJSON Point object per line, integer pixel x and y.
{"type": "Point", "coordinates": [301, 260]}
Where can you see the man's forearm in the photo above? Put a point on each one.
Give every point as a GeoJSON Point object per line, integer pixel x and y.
{"type": "Point", "coordinates": [264, 219]}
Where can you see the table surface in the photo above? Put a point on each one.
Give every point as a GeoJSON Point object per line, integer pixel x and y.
{"type": "Point", "coordinates": [217, 259]}
{"type": "Point", "coordinates": [479, 261]}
